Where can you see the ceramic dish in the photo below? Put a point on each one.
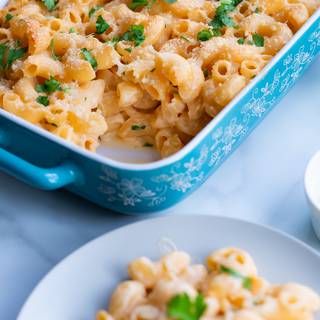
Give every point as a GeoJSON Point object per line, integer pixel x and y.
{"type": "Point", "coordinates": [312, 188]}
{"type": "Point", "coordinates": [47, 162]}
{"type": "Point", "coordinates": [82, 283]}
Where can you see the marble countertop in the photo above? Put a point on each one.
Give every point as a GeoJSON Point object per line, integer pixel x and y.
{"type": "Point", "coordinates": [262, 182]}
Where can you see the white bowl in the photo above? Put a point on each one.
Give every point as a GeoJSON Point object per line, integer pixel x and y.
{"type": "Point", "coordinates": [312, 187]}
{"type": "Point", "coordinates": [82, 283]}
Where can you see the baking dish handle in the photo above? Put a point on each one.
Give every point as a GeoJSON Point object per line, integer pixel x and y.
{"type": "Point", "coordinates": [41, 178]}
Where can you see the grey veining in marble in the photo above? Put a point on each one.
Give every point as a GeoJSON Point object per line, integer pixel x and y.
{"type": "Point", "coordinates": [262, 182]}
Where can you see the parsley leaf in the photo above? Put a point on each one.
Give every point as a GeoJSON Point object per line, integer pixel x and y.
{"type": "Point", "coordinates": [135, 4]}
{"type": "Point", "coordinates": [53, 54]}
{"type": "Point", "coordinates": [88, 56]}
{"type": "Point", "coordinates": [101, 25]}
{"type": "Point", "coordinates": [8, 16]}
{"type": "Point", "coordinates": [216, 23]}
{"type": "Point", "coordinates": [10, 55]}
{"type": "Point", "coordinates": [204, 35]}
{"type": "Point", "coordinates": [170, 1]}
{"type": "Point", "coordinates": [49, 86]}
{"type": "Point", "coordinates": [185, 38]}
{"type": "Point", "coordinates": [135, 34]}
{"type": "Point", "coordinates": [128, 50]}
{"type": "Point", "coordinates": [240, 40]}
{"type": "Point", "coordinates": [50, 4]}
{"type": "Point", "coordinates": [138, 127]}
{"type": "Point", "coordinates": [222, 18]}
{"type": "Point", "coordinates": [15, 54]}
{"type": "Point", "coordinates": [3, 50]}
{"type": "Point", "coordinates": [181, 307]}
{"type": "Point", "coordinates": [44, 100]}
{"type": "Point", "coordinates": [94, 10]}
{"type": "Point", "coordinates": [72, 30]}
{"type": "Point", "coordinates": [258, 40]}
{"type": "Point", "coordinates": [246, 281]}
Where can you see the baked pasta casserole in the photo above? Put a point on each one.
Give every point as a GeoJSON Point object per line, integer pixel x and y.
{"type": "Point", "coordinates": [151, 73]}
{"type": "Point", "coordinates": [226, 288]}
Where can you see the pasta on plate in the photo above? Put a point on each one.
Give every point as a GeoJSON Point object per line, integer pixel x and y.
{"type": "Point", "coordinates": [227, 288]}
{"type": "Point", "coordinates": [151, 73]}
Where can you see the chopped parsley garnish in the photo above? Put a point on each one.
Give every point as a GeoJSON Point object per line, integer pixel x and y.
{"type": "Point", "coordinates": [88, 56]}
{"type": "Point", "coordinates": [53, 54]}
{"type": "Point", "coordinates": [3, 50]}
{"type": "Point", "coordinates": [205, 72]}
{"type": "Point", "coordinates": [50, 4]}
{"type": "Point", "coordinates": [149, 145]}
{"type": "Point", "coordinates": [101, 25]}
{"type": "Point", "coordinates": [170, 1]}
{"type": "Point", "coordinates": [222, 18]}
{"type": "Point", "coordinates": [134, 34]}
{"type": "Point", "coordinates": [128, 49]}
{"type": "Point", "coordinates": [49, 86]}
{"type": "Point", "coordinates": [11, 54]}
{"type": "Point", "coordinates": [246, 281]}
{"type": "Point", "coordinates": [15, 54]}
{"type": "Point", "coordinates": [135, 4]}
{"type": "Point", "coordinates": [44, 100]}
{"type": "Point", "coordinates": [181, 307]}
{"type": "Point", "coordinates": [257, 10]}
{"type": "Point", "coordinates": [72, 30]}
{"type": "Point", "coordinates": [185, 38]}
{"type": "Point", "coordinates": [204, 35]}
{"type": "Point", "coordinates": [8, 16]}
{"type": "Point", "coordinates": [138, 127]}
{"type": "Point", "coordinates": [240, 40]}
{"type": "Point", "coordinates": [94, 10]}
{"type": "Point", "coordinates": [258, 40]}
{"type": "Point", "coordinates": [216, 32]}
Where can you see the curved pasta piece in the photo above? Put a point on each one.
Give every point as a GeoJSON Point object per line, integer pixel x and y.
{"type": "Point", "coordinates": [186, 75]}
{"type": "Point", "coordinates": [126, 296]}
{"type": "Point", "coordinates": [42, 65]}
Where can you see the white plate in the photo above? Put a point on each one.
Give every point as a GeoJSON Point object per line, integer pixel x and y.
{"type": "Point", "coordinates": [81, 284]}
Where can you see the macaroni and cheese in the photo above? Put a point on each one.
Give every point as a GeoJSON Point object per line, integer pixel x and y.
{"type": "Point", "coordinates": [152, 73]}
{"type": "Point", "coordinates": [227, 288]}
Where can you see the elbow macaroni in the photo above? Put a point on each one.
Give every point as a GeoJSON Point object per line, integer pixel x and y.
{"type": "Point", "coordinates": [229, 284]}
{"type": "Point", "coordinates": [141, 74]}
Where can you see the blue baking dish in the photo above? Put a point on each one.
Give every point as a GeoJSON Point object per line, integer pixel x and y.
{"type": "Point", "coordinates": [48, 162]}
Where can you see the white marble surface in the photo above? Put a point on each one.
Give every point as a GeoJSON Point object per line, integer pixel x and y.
{"type": "Point", "coordinates": [261, 182]}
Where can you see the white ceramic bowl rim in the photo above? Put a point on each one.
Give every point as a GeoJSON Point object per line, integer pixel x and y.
{"type": "Point", "coordinates": [312, 175]}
